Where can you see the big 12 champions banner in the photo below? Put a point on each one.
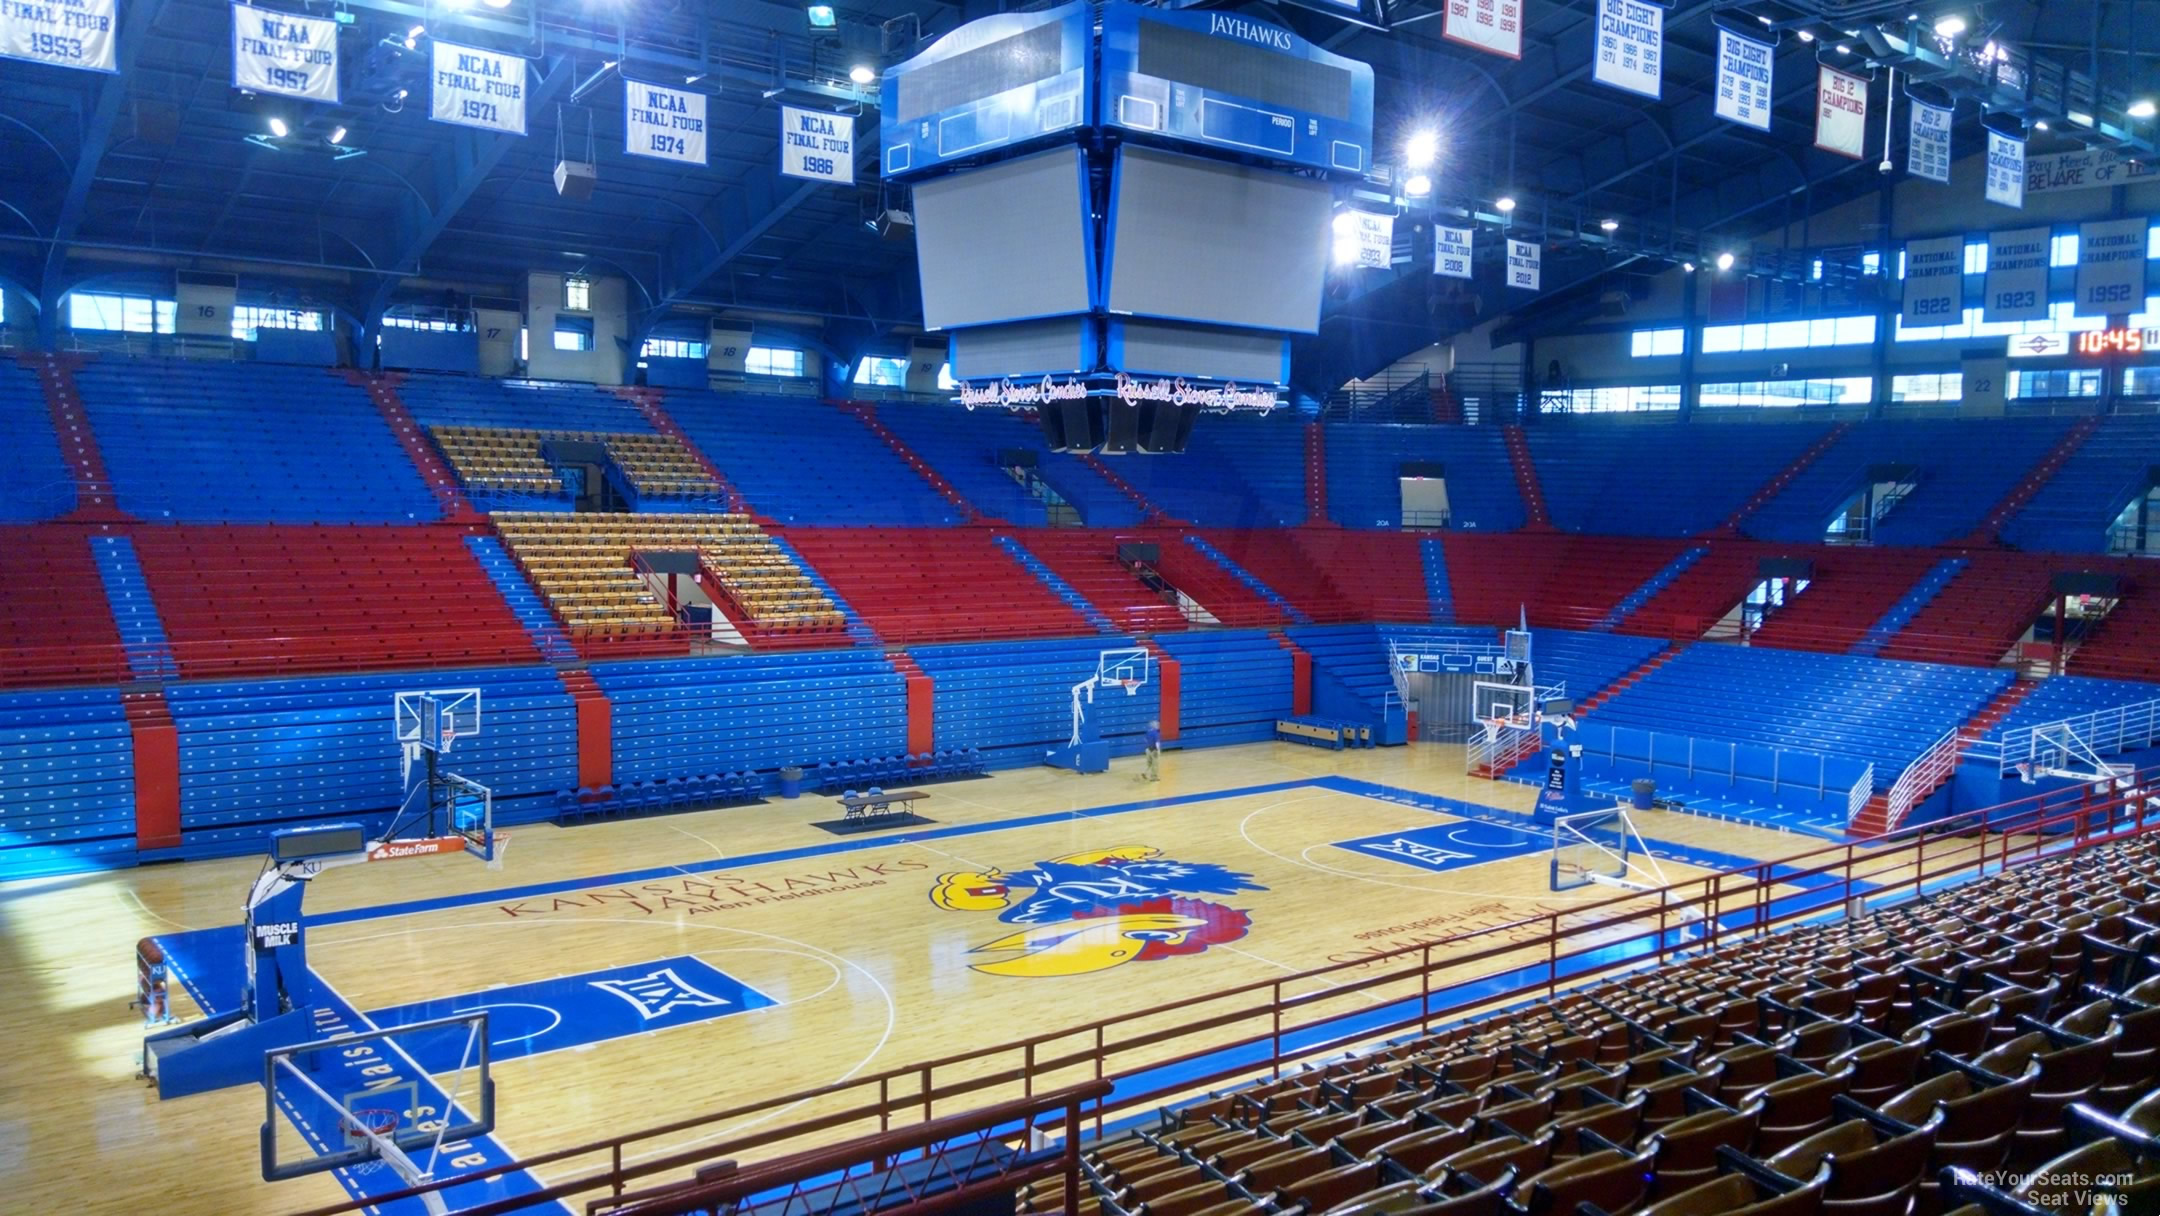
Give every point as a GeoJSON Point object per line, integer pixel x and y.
{"type": "Point", "coordinates": [663, 123]}
{"type": "Point", "coordinates": [477, 88]}
{"type": "Point", "coordinates": [63, 33]}
{"type": "Point", "coordinates": [277, 52]}
{"type": "Point", "coordinates": [1841, 112]}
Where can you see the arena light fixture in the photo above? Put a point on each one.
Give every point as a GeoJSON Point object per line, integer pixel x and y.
{"type": "Point", "coordinates": [2040, 124]}
{"type": "Point", "coordinates": [1505, 204]}
{"type": "Point", "coordinates": [1418, 186]}
{"type": "Point", "coordinates": [412, 37]}
{"type": "Point", "coordinates": [1422, 149]}
{"type": "Point", "coordinates": [862, 73]}
{"type": "Point", "coordinates": [1609, 225]}
{"type": "Point", "coordinates": [337, 135]}
{"type": "Point", "coordinates": [821, 17]}
{"type": "Point", "coordinates": [1688, 267]}
{"type": "Point", "coordinates": [1807, 36]}
{"type": "Point", "coordinates": [2143, 107]}
{"type": "Point", "coordinates": [1844, 48]}
{"type": "Point", "coordinates": [1950, 26]}
{"type": "Point", "coordinates": [278, 127]}
{"type": "Point", "coordinates": [496, 3]}
{"type": "Point", "coordinates": [1724, 261]}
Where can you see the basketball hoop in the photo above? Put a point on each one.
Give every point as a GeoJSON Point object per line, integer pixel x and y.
{"type": "Point", "coordinates": [1131, 687]}
{"type": "Point", "coordinates": [371, 1125]}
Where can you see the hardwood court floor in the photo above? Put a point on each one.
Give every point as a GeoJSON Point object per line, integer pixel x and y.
{"type": "Point", "coordinates": [863, 970]}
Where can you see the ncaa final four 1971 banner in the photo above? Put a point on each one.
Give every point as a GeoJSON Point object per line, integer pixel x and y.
{"type": "Point", "coordinates": [63, 33]}
{"type": "Point", "coordinates": [476, 88]}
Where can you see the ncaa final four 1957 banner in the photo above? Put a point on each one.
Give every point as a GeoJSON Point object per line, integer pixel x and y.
{"type": "Point", "coordinates": [276, 52]}
{"type": "Point", "coordinates": [63, 33]}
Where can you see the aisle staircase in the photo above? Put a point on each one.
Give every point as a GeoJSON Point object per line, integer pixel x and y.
{"type": "Point", "coordinates": [1437, 591]}
{"type": "Point", "coordinates": [1887, 809]}
{"type": "Point", "coordinates": [1064, 590]}
{"type": "Point", "coordinates": [134, 612]}
{"type": "Point", "coordinates": [94, 498]}
{"type": "Point", "coordinates": [1651, 586]}
{"type": "Point", "coordinates": [1242, 575]}
{"type": "Point", "coordinates": [427, 461]}
{"type": "Point", "coordinates": [651, 404]}
{"type": "Point", "coordinates": [1991, 526]}
{"type": "Point", "coordinates": [1526, 479]}
{"type": "Point", "coordinates": [1776, 485]}
{"type": "Point", "coordinates": [1316, 473]}
{"type": "Point", "coordinates": [867, 413]}
{"type": "Point", "coordinates": [1909, 606]}
{"type": "Point", "coordinates": [1148, 510]}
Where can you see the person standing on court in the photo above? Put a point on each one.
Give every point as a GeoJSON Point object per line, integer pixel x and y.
{"type": "Point", "coordinates": [1154, 750]}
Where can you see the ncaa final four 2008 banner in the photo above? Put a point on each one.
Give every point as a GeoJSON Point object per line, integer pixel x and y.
{"type": "Point", "coordinates": [63, 33]}
{"type": "Point", "coordinates": [277, 52]}
{"type": "Point", "coordinates": [1451, 252]}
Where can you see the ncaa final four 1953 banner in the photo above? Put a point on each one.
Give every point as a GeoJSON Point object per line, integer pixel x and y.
{"type": "Point", "coordinates": [277, 52]}
{"type": "Point", "coordinates": [663, 123]}
{"type": "Point", "coordinates": [63, 33]}
{"type": "Point", "coordinates": [476, 88]}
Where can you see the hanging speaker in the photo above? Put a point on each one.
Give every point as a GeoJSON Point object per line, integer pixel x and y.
{"type": "Point", "coordinates": [1052, 421]}
{"type": "Point", "coordinates": [1083, 424]}
{"type": "Point", "coordinates": [1165, 427]}
{"type": "Point", "coordinates": [1124, 436]}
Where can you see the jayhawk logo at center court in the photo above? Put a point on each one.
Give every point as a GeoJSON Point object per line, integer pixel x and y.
{"type": "Point", "coordinates": [1091, 911]}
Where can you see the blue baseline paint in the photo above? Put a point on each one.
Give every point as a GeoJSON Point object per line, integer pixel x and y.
{"type": "Point", "coordinates": [590, 1007]}
{"type": "Point", "coordinates": [1449, 846]}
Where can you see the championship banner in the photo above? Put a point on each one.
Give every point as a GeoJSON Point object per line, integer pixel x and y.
{"type": "Point", "coordinates": [1451, 252]}
{"type": "Point", "coordinates": [818, 145]}
{"type": "Point", "coordinates": [2005, 170]}
{"type": "Point", "coordinates": [1934, 281]}
{"type": "Point", "coordinates": [63, 33]}
{"type": "Point", "coordinates": [476, 88]}
{"type": "Point", "coordinates": [1374, 238]}
{"type": "Point", "coordinates": [663, 123]}
{"type": "Point", "coordinates": [1488, 25]}
{"type": "Point", "coordinates": [1927, 142]}
{"type": "Point", "coordinates": [2017, 276]}
{"type": "Point", "coordinates": [1631, 46]}
{"type": "Point", "coordinates": [1743, 79]}
{"type": "Point", "coordinates": [1841, 112]}
{"type": "Point", "coordinates": [277, 52]}
{"type": "Point", "coordinates": [2111, 267]}
{"type": "Point", "coordinates": [1523, 258]}
{"type": "Point", "coordinates": [2084, 169]}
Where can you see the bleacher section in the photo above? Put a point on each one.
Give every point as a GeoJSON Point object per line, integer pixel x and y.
{"type": "Point", "coordinates": [239, 443]}
{"type": "Point", "coordinates": [1011, 699]}
{"type": "Point", "coordinates": [753, 713]}
{"type": "Point", "coordinates": [278, 599]}
{"type": "Point", "coordinates": [1352, 679]}
{"type": "Point", "coordinates": [281, 753]}
{"type": "Point", "coordinates": [1852, 589]}
{"type": "Point", "coordinates": [2060, 697]}
{"type": "Point", "coordinates": [1879, 711]}
{"type": "Point", "coordinates": [1628, 478]}
{"type": "Point", "coordinates": [1979, 615]}
{"type": "Point", "coordinates": [1087, 561]}
{"type": "Point", "coordinates": [1962, 469]}
{"type": "Point", "coordinates": [492, 462]}
{"type": "Point", "coordinates": [1563, 581]}
{"type": "Point", "coordinates": [963, 446]}
{"type": "Point", "coordinates": [1587, 663]}
{"type": "Point", "coordinates": [935, 584]}
{"type": "Point", "coordinates": [1364, 472]}
{"type": "Point", "coordinates": [1234, 685]}
{"type": "Point", "coordinates": [584, 565]}
{"type": "Point", "coordinates": [805, 462]}
{"type": "Point", "coordinates": [2126, 643]}
{"type": "Point", "coordinates": [1334, 575]}
{"type": "Point", "coordinates": [1702, 595]}
{"type": "Point", "coordinates": [55, 624]}
{"type": "Point", "coordinates": [1235, 473]}
{"type": "Point", "coordinates": [34, 479]}
{"type": "Point", "coordinates": [536, 405]}
{"type": "Point", "coordinates": [67, 788]}
{"type": "Point", "coordinates": [2071, 513]}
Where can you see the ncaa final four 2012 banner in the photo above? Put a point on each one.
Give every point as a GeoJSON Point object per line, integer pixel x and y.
{"type": "Point", "coordinates": [1744, 69]}
{"type": "Point", "coordinates": [1841, 112]}
{"type": "Point", "coordinates": [63, 33]}
{"type": "Point", "coordinates": [477, 88]}
{"type": "Point", "coordinates": [1523, 264]}
{"type": "Point", "coordinates": [1630, 46]}
{"type": "Point", "coordinates": [1451, 252]}
{"type": "Point", "coordinates": [281, 53]}
{"type": "Point", "coordinates": [1488, 25]}
{"type": "Point", "coordinates": [663, 123]}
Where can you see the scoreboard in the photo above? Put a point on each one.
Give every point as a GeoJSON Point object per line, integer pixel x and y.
{"type": "Point", "coordinates": [1234, 84]}
{"type": "Point", "coordinates": [1000, 82]}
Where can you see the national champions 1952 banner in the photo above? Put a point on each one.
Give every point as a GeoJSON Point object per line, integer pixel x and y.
{"type": "Point", "coordinates": [2111, 267]}
{"type": "Point", "coordinates": [63, 33]}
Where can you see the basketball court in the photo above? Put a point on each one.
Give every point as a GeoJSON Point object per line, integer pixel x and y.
{"type": "Point", "coordinates": [636, 972]}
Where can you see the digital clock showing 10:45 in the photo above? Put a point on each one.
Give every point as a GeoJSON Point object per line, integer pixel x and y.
{"type": "Point", "coordinates": [2117, 341]}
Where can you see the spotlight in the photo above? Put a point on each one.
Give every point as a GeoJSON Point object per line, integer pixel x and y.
{"type": "Point", "coordinates": [2142, 108]}
{"type": "Point", "coordinates": [1844, 48]}
{"type": "Point", "coordinates": [1418, 186]}
{"type": "Point", "coordinates": [1423, 147]}
{"type": "Point", "coordinates": [862, 73]}
{"type": "Point", "coordinates": [1806, 36]}
{"type": "Point", "coordinates": [1689, 267]}
{"type": "Point", "coordinates": [399, 95]}
{"type": "Point", "coordinates": [412, 37]}
{"type": "Point", "coordinates": [821, 17]}
{"type": "Point", "coordinates": [1344, 224]}
{"type": "Point", "coordinates": [337, 136]}
{"type": "Point", "coordinates": [1505, 204]}
{"type": "Point", "coordinates": [496, 3]}
{"type": "Point", "coordinates": [2040, 124]}
{"type": "Point", "coordinates": [278, 127]}
{"type": "Point", "coordinates": [1950, 26]}
{"type": "Point", "coordinates": [1609, 225]}
{"type": "Point", "coordinates": [1724, 261]}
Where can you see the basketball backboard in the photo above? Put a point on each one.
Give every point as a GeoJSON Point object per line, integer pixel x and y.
{"type": "Point", "coordinates": [1127, 666]}
{"type": "Point", "coordinates": [1508, 705]}
{"type": "Point", "coordinates": [435, 719]}
{"type": "Point", "coordinates": [392, 1096]}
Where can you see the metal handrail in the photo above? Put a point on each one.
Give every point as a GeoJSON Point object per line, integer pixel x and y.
{"type": "Point", "coordinates": [2104, 730]}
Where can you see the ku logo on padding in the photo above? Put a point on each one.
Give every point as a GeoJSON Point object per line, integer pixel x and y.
{"type": "Point", "coordinates": [660, 992]}
{"type": "Point", "coordinates": [1091, 911]}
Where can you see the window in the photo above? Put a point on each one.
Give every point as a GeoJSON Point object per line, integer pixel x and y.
{"type": "Point", "coordinates": [2063, 250]}
{"type": "Point", "coordinates": [247, 319]}
{"type": "Point", "coordinates": [773, 361]}
{"type": "Point", "coordinates": [1624, 399]}
{"type": "Point", "coordinates": [1901, 264]}
{"type": "Point", "coordinates": [3, 308]}
{"type": "Point", "coordinates": [1789, 335]}
{"type": "Point", "coordinates": [672, 348]}
{"type": "Point", "coordinates": [2141, 382]}
{"type": "Point", "coordinates": [2152, 243]}
{"type": "Point", "coordinates": [2059, 320]}
{"type": "Point", "coordinates": [1815, 270]}
{"type": "Point", "coordinates": [433, 325]}
{"type": "Point", "coordinates": [1928, 386]}
{"type": "Point", "coordinates": [576, 293]}
{"type": "Point", "coordinates": [1657, 343]}
{"type": "Point", "coordinates": [2061, 382]}
{"type": "Point", "coordinates": [1787, 394]}
{"type": "Point", "coordinates": [121, 314]}
{"type": "Point", "coordinates": [572, 339]}
{"type": "Point", "coordinates": [1976, 257]}
{"type": "Point", "coordinates": [881, 372]}
{"type": "Point", "coordinates": [1871, 262]}
{"type": "Point", "coordinates": [945, 381]}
